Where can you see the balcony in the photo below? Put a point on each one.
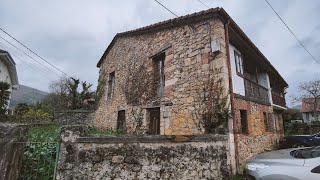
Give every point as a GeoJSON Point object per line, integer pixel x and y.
{"type": "Point", "coordinates": [277, 99]}
{"type": "Point", "coordinates": [256, 92]}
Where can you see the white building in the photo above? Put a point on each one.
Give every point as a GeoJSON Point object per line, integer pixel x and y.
{"type": "Point", "coordinates": [307, 110]}
{"type": "Point", "coordinates": [8, 72]}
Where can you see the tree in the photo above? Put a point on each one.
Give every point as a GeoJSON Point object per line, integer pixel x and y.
{"type": "Point", "coordinates": [72, 85]}
{"type": "Point", "coordinates": [65, 94]}
{"type": "Point", "coordinates": [4, 96]}
{"type": "Point", "coordinates": [310, 94]}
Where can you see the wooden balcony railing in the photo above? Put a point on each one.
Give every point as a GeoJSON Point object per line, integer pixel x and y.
{"type": "Point", "coordinates": [278, 100]}
{"type": "Point", "coordinates": [256, 92]}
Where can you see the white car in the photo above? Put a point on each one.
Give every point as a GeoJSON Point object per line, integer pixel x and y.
{"type": "Point", "coordinates": [286, 164]}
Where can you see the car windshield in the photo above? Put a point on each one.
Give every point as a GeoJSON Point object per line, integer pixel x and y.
{"type": "Point", "coordinates": [306, 153]}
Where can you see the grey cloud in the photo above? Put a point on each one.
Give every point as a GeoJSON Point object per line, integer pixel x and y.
{"type": "Point", "coordinates": [73, 34]}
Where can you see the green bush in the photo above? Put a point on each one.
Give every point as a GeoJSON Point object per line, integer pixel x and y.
{"type": "Point", "coordinates": [40, 152]}
{"type": "Point", "coordinates": [44, 133]}
{"type": "Point", "coordinates": [35, 113]}
{"type": "Point", "coordinates": [95, 131]}
{"type": "Point", "coordinates": [315, 122]}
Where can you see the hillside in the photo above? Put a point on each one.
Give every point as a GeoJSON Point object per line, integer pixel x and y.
{"type": "Point", "coordinates": [298, 107]}
{"type": "Point", "coordinates": [26, 95]}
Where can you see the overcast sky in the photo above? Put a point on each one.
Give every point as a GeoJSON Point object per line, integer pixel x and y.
{"type": "Point", "coordinates": [73, 34]}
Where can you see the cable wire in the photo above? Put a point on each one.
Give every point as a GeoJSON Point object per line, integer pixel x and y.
{"type": "Point", "coordinates": [29, 56]}
{"type": "Point", "coordinates": [33, 52]}
{"type": "Point", "coordinates": [203, 4]}
{"type": "Point", "coordinates": [36, 68]}
{"type": "Point", "coordinates": [12, 51]}
{"type": "Point", "coordinates": [166, 8]}
{"type": "Point", "coordinates": [292, 32]}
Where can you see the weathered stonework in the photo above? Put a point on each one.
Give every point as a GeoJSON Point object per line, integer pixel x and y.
{"type": "Point", "coordinates": [79, 117]}
{"type": "Point", "coordinates": [188, 58]}
{"type": "Point", "coordinates": [154, 157]}
{"type": "Point", "coordinates": [191, 46]}
{"type": "Point", "coordinates": [258, 138]}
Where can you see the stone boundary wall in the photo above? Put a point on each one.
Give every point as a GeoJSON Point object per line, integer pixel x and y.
{"type": "Point", "coordinates": [301, 129]}
{"type": "Point", "coordinates": [142, 157]}
{"type": "Point", "coordinates": [249, 146]}
{"type": "Point", "coordinates": [82, 117]}
{"type": "Point", "coordinates": [11, 151]}
{"type": "Point", "coordinates": [73, 117]}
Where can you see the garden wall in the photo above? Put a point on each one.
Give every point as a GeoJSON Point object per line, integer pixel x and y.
{"type": "Point", "coordinates": [75, 117]}
{"type": "Point", "coordinates": [301, 128]}
{"type": "Point", "coordinates": [142, 157]}
{"type": "Point", "coordinates": [11, 151]}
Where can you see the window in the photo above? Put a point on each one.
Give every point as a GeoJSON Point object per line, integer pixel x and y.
{"type": "Point", "coordinates": [121, 121]}
{"type": "Point", "coordinates": [244, 121]}
{"type": "Point", "coordinates": [239, 63]}
{"type": "Point", "coordinates": [154, 120]}
{"type": "Point", "coordinates": [159, 75]}
{"type": "Point", "coordinates": [111, 82]}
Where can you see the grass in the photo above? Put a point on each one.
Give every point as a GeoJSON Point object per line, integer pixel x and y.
{"type": "Point", "coordinates": [39, 156]}
{"type": "Point", "coordinates": [238, 177]}
{"type": "Point", "coordinates": [44, 133]}
{"type": "Point", "coordinates": [95, 131]}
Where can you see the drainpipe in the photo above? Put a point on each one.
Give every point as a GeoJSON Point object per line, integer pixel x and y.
{"type": "Point", "coordinates": [231, 97]}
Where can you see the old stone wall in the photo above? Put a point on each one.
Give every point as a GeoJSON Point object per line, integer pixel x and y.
{"type": "Point", "coordinates": [11, 151]}
{"type": "Point", "coordinates": [188, 60]}
{"type": "Point", "coordinates": [19, 120]}
{"type": "Point", "coordinates": [261, 136]}
{"type": "Point", "coordinates": [142, 157]}
{"type": "Point", "coordinates": [78, 117]}
{"type": "Point", "coordinates": [249, 145]}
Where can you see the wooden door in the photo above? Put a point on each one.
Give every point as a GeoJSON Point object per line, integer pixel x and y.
{"type": "Point", "coordinates": [154, 121]}
{"type": "Point", "coordinates": [121, 121]}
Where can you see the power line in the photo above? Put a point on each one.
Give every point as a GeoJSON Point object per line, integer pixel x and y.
{"type": "Point", "coordinates": [166, 8]}
{"type": "Point", "coordinates": [33, 52]}
{"type": "Point", "coordinates": [11, 50]}
{"type": "Point", "coordinates": [33, 66]}
{"type": "Point", "coordinates": [203, 4]}
{"type": "Point", "coordinates": [292, 33]}
{"type": "Point", "coordinates": [29, 56]}
{"type": "Point", "coordinates": [25, 62]}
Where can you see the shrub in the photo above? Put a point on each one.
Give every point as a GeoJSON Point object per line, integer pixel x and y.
{"type": "Point", "coordinates": [35, 113]}
{"type": "Point", "coordinates": [95, 131]}
{"type": "Point", "coordinates": [4, 97]}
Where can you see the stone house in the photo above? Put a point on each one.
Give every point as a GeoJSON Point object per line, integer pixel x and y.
{"type": "Point", "coordinates": [153, 79]}
{"type": "Point", "coordinates": [310, 110]}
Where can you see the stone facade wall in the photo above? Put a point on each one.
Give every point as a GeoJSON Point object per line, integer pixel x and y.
{"type": "Point", "coordinates": [188, 59]}
{"type": "Point", "coordinates": [148, 157]}
{"type": "Point", "coordinates": [259, 137]}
